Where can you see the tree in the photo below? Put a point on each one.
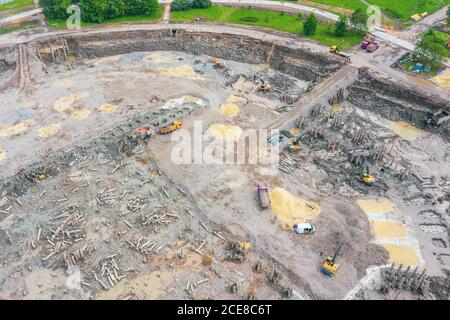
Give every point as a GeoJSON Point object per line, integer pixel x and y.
{"type": "Point", "coordinates": [55, 9]}
{"type": "Point", "coordinates": [310, 26]}
{"type": "Point", "coordinates": [201, 4]}
{"type": "Point", "coordinates": [116, 8]}
{"type": "Point", "coordinates": [93, 10]}
{"type": "Point", "coordinates": [135, 7]}
{"type": "Point", "coordinates": [448, 16]}
{"type": "Point", "coordinates": [180, 5]}
{"type": "Point", "coordinates": [341, 27]}
{"type": "Point", "coordinates": [430, 50]}
{"type": "Point", "coordinates": [359, 20]}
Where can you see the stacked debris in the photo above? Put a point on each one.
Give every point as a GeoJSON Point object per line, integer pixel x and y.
{"type": "Point", "coordinates": [397, 278]}
{"type": "Point", "coordinates": [236, 252]}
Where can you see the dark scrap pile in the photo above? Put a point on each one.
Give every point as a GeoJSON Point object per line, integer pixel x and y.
{"type": "Point", "coordinates": [236, 253]}
{"type": "Point", "coordinates": [403, 279]}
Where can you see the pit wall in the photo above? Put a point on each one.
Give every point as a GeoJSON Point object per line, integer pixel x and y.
{"type": "Point", "coordinates": [396, 101]}
{"type": "Point", "coordinates": [9, 68]}
{"type": "Point", "coordinates": [300, 63]}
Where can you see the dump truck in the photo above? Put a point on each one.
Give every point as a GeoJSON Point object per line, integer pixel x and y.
{"type": "Point", "coordinates": [335, 50]}
{"type": "Point", "coordinates": [263, 196]}
{"type": "Point", "coordinates": [369, 44]}
{"type": "Point", "coordinates": [174, 126]}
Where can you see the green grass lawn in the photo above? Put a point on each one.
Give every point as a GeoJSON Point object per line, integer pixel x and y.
{"type": "Point", "coordinates": [404, 9]}
{"type": "Point", "coordinates": [17, 6]}
{"type": "Point", "coordinates": [61, 24]}
{"type": "Point", "coordinates": [268, 19]}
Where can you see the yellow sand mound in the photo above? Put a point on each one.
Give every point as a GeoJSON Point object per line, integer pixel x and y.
{"type": "Point", "coordinates": [389, 229]}
{"type": "Point", "coordinates": [291, 210]}
{"type": "Point", "coordinates": [184, 71]}
{"type": "Point", "coordinates": [48, 131]}
{"type": "Point", "coordinates": [80, 113]}
{"type": "Point", "coordinates": [66, 103]}
{"type": "Point", "coordinates": [400, 254]}
{"type": "Point", "coordinates": [2, 154]}
{"type": "Point", "coordinates": [229, 109]}
{"type": "Point", "coordinates": [443, 80]}
{"type": "Point", "coordinates": [376, 206]}
{"type": "Point", "coordinates": [156, 57]}
{"type": "Point", "coordinates": [224, 132]}
{"type": "Point", "coordinates": [406, 131]}
{"type": "Point", "coordinates": [18, 128]}
{"type": "Point", "coordinates": [107, 108]}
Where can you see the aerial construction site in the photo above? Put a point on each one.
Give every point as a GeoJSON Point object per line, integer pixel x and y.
{"type": "Point", "coordinates": [93, 205]}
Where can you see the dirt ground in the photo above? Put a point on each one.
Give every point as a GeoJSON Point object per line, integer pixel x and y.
{"type": "Point", "coordinates": [115, 218]}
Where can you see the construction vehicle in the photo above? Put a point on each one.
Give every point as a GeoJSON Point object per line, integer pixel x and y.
{"type": "Point", "coordinates": [335, 50]}
{"type": "Point", "coordinates": [42, 174]}
{"type": "Point", "coordinates": [437, 119]}
{"type": "Point", "coordinates": [265, 86]}
{"type": "Point", "coordinates": [304, 228]}
{"type": "Point", "coordinates": [329, 266]}
{"type": "Point", "coordinates": [294, 146]}
{"type": "Point", "coordinates": [174, 126]}
{"type": "Point", "coordinates": [144, 134]}
{"type": "Point", "coordinates": [263, 196]}
{"type": "Point", "coordinates": [369, 44]}
{"type": "Point", "coordinates": [367, 178]}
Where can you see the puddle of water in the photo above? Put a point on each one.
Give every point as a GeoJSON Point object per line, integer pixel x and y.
{"type": "Point", "coordinates": [18, 128]}
{"type": "Point", "coordinates": [224, 132]}
{"type": "Point", "coordinates": [49, 131]}
{"type": "Point", "coordinates": [291, 210]}
{"type": "Point", "coordinates": [376, 206]}
{"type": "Point", "coordinates": [406, 131]}
{"type": "Point", "coordinates": [23, 114]}
{"type": "Point", "coordinates": [389, 229]}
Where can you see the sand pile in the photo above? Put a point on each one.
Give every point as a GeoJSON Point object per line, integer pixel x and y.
{"type": "Point", "coordinates": [15, 129]}
{"type": "Point", "coordinates": [224, 132]}
{"type": "Point", "coordinates": [406, 131]}
{"type": "Point", "coordinates": [291, 210]}
{"type": "Point", "coordinates": [49, 131]}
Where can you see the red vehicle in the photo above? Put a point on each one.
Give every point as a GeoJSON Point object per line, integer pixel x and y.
{"type": "Point", "coordinates": [263, 195]}
{"type": "Point", "coordinates": [370, 45]}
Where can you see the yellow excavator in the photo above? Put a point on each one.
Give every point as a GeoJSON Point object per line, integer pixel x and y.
{"type": "Point", "coordinates": [265, 86]}
{"type": "Point", "coordinates": [329, 266]}
{"type": "Point", "coordinates": [367, 178]}
{"type": "Point", "coordinates": [43, 174]}
{"type": "Point", "coordinates": [174, 126]}
{"type": "Point", "coordinates": [294, 146]}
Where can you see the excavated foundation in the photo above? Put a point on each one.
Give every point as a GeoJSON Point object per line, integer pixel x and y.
{"type": "Point", "coordinates": [300, 63]}
{"type": "Point", "coordinates": [399, 102]}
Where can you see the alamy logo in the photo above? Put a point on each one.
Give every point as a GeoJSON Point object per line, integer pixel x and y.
{"type": "Point", "coordinates": [374, 14]}
{"type": "Point", "coordinates": [74, 20]}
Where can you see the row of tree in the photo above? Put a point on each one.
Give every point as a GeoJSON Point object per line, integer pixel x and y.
{"type": "Point", "coordinates": [181, 5]}
{"type": "Point", "coordinates": [358, 21]}
{"type": "Point", "coordinates": [99, 10]}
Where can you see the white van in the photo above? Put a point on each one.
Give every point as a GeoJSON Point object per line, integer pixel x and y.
{"type": "Point", "coordinates": [304, 228]}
